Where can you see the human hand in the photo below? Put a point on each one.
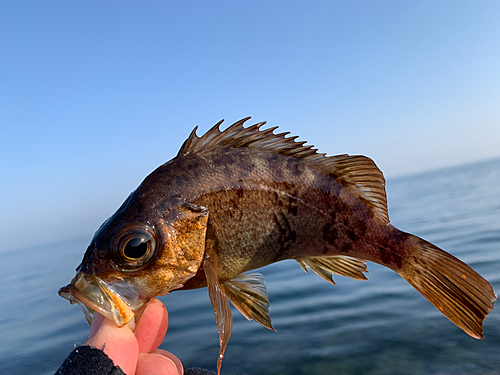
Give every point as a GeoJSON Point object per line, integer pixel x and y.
{"type": "Point", "coordinates": [136, 352]}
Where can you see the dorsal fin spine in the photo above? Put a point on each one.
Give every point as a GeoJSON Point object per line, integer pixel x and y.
{"type": "Point", "coordinates": [357, 173]}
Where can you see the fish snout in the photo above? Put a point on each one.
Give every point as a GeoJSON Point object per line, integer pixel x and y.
{"type": "Point", "coordinates": [117, 301]}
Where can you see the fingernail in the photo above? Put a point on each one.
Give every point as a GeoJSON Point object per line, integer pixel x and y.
{"type": "Point", "coordinates": [156, 364]}
{"type": "Point", "coordinates": [163, 358]}
{"type": "Point", "coordinates": [96, 323]}
{"type": "Point", "coordinates": [176, 361]}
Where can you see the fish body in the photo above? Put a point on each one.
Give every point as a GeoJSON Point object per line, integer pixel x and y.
{"type": "Point", "coordinates": [240, 199]}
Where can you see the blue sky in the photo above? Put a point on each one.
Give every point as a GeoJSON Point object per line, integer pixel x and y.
{"type": "Point", "coordinates": [95, 95]}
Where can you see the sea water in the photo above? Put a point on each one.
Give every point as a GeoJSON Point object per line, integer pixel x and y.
{"type": "Point", "coordinates": [379, 326]}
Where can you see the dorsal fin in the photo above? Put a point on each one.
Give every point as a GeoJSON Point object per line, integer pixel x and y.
{"type": "Point", "coordinates": [361, 176]}
{"type": "Point", "coordinates": [357, 173]}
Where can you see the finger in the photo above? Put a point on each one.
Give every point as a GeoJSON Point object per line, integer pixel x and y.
{"type": "Point", "coordinates": [152, 326]}
{"type": "Point", "coordinates": [118, 343]}
{"type": "Point", "coordinates": [96, 323]}
{"type": "Point", "coordinates": [159, 362]}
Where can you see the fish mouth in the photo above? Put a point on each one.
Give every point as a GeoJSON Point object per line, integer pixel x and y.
{"type": "Point", "coordinates": [118, 301]}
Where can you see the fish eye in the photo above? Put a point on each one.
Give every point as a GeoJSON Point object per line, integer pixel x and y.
{"type": "Point", "coordinates": [133, 246]}
{"type": "Point", "coordinates": [136, 248]}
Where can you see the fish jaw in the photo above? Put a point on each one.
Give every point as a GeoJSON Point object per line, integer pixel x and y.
{"type": "Point", "coordinates": [118, 301]}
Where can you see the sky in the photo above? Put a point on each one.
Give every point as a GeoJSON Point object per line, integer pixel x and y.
{"type": "Point", "coordinates": [95, 95]}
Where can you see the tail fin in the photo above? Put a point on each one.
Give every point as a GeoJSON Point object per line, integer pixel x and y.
{"type": "Point", "coordinates": [456, 290]}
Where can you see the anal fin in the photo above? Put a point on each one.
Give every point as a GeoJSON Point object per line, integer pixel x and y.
{"type": "Point", "coordinates": [248, 293]}
{"type": "Point", "coordinates": [325, 266]}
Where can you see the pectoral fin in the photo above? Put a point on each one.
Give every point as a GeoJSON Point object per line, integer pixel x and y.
{"type": "Point", "coordinates": [248, 293]}
{"type": "Point", "coordinates": [220, 304]}
{"type": "Point", "coordinates": [338, 264]}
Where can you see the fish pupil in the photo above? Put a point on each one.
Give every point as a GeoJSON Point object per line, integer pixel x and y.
{"type": "Point", "coordinates": [135, 248]}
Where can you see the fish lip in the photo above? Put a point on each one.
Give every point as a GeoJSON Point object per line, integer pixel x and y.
{"type": "Point", "coordinates": [72, 294]}
{"type": "Point", "coordinates": [112, 304]}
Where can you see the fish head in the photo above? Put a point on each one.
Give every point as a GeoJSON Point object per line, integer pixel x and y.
{"type": "Point", "coordinates": [137, 254]}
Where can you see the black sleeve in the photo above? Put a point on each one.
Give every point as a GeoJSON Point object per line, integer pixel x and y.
{"type": "Point", "coordinates": [86, 360]}
{"type": "Point", "coordinates": [198, 371]}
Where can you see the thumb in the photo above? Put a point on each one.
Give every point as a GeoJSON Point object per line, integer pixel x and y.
{"type": "Point", "coordinates": [119, 344]}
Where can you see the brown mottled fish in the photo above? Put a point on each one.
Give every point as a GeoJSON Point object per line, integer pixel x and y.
{"type": "Point", "coordinates": [239, 199]}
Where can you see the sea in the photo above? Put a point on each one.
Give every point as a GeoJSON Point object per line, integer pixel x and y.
{"type": "Point", "coordinates": [381, 326]}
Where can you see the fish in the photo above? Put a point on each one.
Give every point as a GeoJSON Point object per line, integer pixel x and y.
{"type": "Point", "coordinates": [238, 199]}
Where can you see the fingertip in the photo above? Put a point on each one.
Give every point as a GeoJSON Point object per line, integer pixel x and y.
{"type": "Point", "coordinates": [173, 358]}
{"type": "Point", "coordinates": [159, 362]}
{"type": "Point", "coordinates": [119, 344]}
{"type": "Point", "coordinates": [96, 323]}
{"type": "Point", "coordinates": [152, 326]}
